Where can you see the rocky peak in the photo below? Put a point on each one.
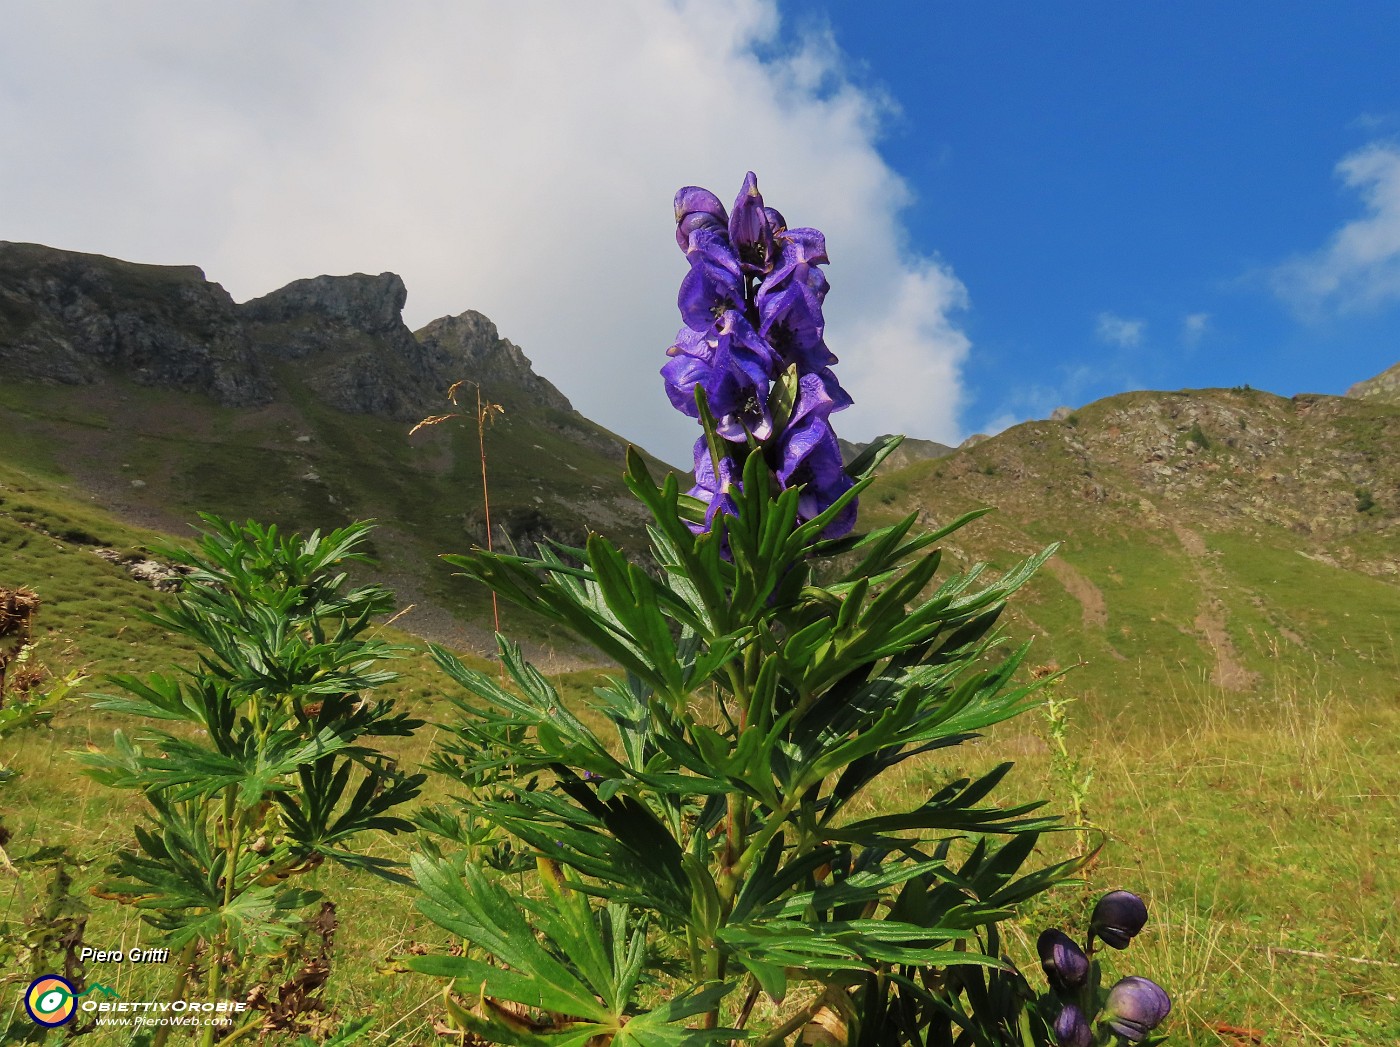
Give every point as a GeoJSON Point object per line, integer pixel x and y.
{"type": "Point", "coordinates": [371, 304]}
{"type": "Point", "coordinates": [909, 451]}
{"type": "Point", "coordinates": [1384, 387]}
{"type": "Point", "coordinates": [468, 346]}
{"type": "Point", "coordinates": [78, 319]}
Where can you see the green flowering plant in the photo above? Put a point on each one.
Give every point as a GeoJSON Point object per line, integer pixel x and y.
{"type": "Point", "coordinates": [269, 768]}
{"type": "Point", "coordinates": [689, 858]}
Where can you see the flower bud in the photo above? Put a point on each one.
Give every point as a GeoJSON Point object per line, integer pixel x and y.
{"type": "Point", "coordinates": [1118, 917]}
{"type": "Point", "coordinates": [1135, 1007]}
{"type": "Point", "coordinates": [1064, 962]}
{"type": "Point", "coordinates": [693, 200]}
{"type": "Point", "coordinates": [698, 209]}
{"type": "Point", "coordinates": [1072, 1028]}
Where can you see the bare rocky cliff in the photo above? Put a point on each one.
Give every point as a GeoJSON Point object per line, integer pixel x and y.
{"type": "Point", "coordinates": [74, 319]}
{"type": "Point", "coordinates": [68, 318]}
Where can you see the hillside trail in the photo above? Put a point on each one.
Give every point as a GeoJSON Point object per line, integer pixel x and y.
{"type": "Point", "coordinates": [1229, 674]}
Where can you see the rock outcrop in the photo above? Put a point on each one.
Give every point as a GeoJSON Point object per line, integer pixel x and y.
{"type": "Point", "coordinates": [470, 343]}
{"type": "Point", "coordinates": [68, 318]}
{"type": "Point", "coordinates": [351, 345]}
{"type": "Point", "coordinates": [1384, 387]}
{"type": "Point", "coordinates": [73, 319]}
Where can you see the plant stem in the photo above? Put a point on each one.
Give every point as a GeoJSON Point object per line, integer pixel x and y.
{"type": "Point", "coordinates": [481, 418]}
{"type": "Point", "coordinates": [782, 1032]}
{"type": "Point", "coordinates": [749, 999]}
{"type": "Point", "coordinates": [186, 961]}
{"type": "Point", "coordinates": [234, 828]}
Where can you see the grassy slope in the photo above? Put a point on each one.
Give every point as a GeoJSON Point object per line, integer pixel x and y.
{"type": "Point", "coordinates": [161, 456]}
{"type": "Point", "coordinates": [1207, 574]}
{"type": "Point", "coordinates": [1256, 806]}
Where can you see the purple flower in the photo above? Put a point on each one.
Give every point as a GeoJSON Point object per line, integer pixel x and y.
{"type": "Point", "coordinates": [1064, 962]}
{"type": "Point", "coordinates": [812, 460]}
{"type": "Point", "coordinates": [795, 247]}
{"type": "Point", "coordinates": [1118, 917]}
{"type": "Point", "coordinates": [750, 229]}
{"type": "Point", "coordinates": [714, 284]}
{"type": "Point", "coordinates": [714, 489]}
{"type": "Point", "coordinates": [734, 367]}
{"type": "Point", "coordinates": [698, 208]}
{"type": "Point", "coordinates": [1135, 1007]}
{"type": "Point", "coordinates": [1072, 1028]}
{"type": "Point", "coordinates": [791, 319]}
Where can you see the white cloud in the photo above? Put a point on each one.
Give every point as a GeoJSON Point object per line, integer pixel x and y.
{"type": "Point", "coordinates": [1359, 268]}
{"type": "Point", "coordinates": [913, 384]}
{"type": "Point", "coordinates": [517, 159]}
{"type": "Point", "coordinates": [1194, 326]}
{"type": "Point", "coordinates": [1119, 330]}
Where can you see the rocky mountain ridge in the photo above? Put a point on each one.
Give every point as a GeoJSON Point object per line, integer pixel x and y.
{"type": "Point", "coordinates": [78, 319]}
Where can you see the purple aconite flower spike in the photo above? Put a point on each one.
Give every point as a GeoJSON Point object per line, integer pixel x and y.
{"type": "Point", "coordinates": [1072, 1028]}
{"type": "Point", "coordinates": [752, 306]}
{"type": "Point", "coordinates": [1064, 962]}
{"type": "Point", "coordinates": [1118, 917]}
{"type": "Point", "coordinates": [1135, 1007]}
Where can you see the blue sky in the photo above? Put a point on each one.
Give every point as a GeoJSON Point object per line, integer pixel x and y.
{"type": "Point", "coordinates": [1026, 204]}
{"type": "Point", "coordinates": [1121, 186]}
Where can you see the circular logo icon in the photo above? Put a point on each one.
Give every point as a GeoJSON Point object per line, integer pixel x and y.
{"type": "Point", "coordinates": [50, 1001]}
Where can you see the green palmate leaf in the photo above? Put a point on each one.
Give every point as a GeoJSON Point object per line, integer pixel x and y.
{"type": "Point", "coordinates": [859, 888]}
{"type": "Point", "coordinates": [591, 620]}
{"type": "Point", "coordinates": [505, 726]}
{"type": "Point", "coordinates": [953, 809]}
{"type": "Point", "coordinates": [662, 1025]}
{"type": "Point", "coordinates": [719, 762]}
{"type": "Point", "coordinates": [770, 880]}
{"type": "Point", "coordinates": [482, 913]}
{"type": "Point", "coordinates": [383, 868]}
{"type": "Point", "coordinates": [620, 842]}
{"type": "Point", "coordinates": [177, 879]}
{"type": "Point", "coordinates": [158, 698]}
{"type": "Point", "coordinates": [633, 598]}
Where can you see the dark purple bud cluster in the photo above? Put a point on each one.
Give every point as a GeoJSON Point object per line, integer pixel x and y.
{"type": "Point", "coordinates": [1134, 1006]}
{"type": "Point", "coordinates": [753, 340]}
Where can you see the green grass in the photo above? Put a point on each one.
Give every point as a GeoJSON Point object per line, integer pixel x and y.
{"type": "Point", "coordinates": [1261, 833]}
{"type": "Point", "coordinates": [168, 455]}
